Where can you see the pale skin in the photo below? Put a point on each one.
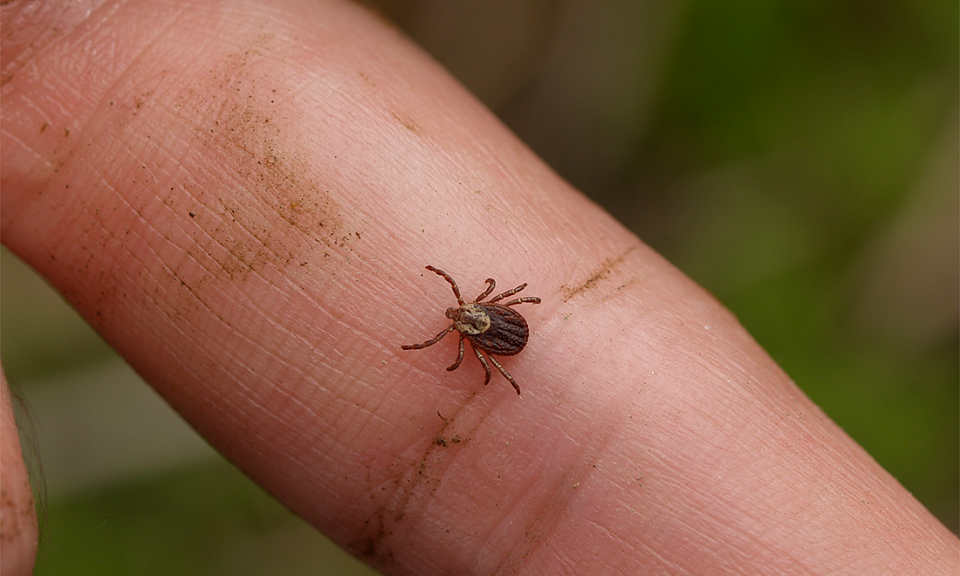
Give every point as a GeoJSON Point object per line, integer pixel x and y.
{"type": "Point", "coordinates": [241, 198]}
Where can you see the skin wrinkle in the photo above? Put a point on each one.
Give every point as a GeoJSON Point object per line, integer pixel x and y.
{"type": "Point", "coordinates": [406, 514]}
{"type": "Point", "coordinates": [170, 270]}
{"type": "Point", "coordinates": [238, 360]}
{"type": "Point", "coordinates": [70, 47]}
{"type": "Point", "coordinates": [555, 498]}
{"type": "Point", "coordinates": [250, 230]}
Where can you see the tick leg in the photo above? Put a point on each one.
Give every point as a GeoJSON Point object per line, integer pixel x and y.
{"type": "Point", "coordinates": [530, 299]}
{"type": "Point", "coordinates": [431, 341]}
{"type": "Point", "coordinates": [459, 357]}
{"type": "Point", "coordinates": [505, 373]}
{"type": "Point", "coordinates": [508, 293]}
{"type": "Point", "coordinates": [484, 362]}
{"type": "Point", "coordinates": [490, 285]}
{"type": "Point", "coordinates": [453, 283]}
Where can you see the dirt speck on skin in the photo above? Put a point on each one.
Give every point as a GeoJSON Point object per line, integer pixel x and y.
{"type": "Point", "coordinates": [402, 495]}
{"type": "Point", "coordinates": [600, 273]}
{"type": "Point", "coordinates": [264, 200]}
{"type": "Point", "coordinates": [408, 124]}
{"type": "Point", "coordinates": [370, 546]}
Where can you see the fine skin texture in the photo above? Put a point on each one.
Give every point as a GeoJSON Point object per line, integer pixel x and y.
{"type": "Point", "coordinates": [241, 197]}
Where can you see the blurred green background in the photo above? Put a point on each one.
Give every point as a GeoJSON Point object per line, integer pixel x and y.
{"type": "Point", "coordinates": [797, 158]}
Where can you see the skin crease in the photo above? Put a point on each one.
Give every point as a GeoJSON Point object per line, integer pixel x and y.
{"type": "Point", "coordinates": [241, 198]}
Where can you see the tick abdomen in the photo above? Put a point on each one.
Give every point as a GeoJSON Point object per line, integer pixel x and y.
{"type": "Point", "coordinates": [508, 331]}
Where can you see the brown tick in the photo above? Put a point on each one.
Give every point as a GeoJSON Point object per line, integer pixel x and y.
{"type": "Point", "coordinates": [492, 328]}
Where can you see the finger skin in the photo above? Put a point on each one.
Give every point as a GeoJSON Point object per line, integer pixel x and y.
{"type": "Point", "coordinates": [18, 516]}
{"type": "Point", "coordinates": [242, 197]}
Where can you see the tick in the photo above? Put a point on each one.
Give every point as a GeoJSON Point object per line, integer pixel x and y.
{"type": "Point", "coordinates": [489, 327]}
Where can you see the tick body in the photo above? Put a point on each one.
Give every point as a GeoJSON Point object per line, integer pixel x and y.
{"type": "Point", "coordinates": [496, 329]}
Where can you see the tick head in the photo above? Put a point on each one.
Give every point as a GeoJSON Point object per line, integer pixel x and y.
{"type": "Point", "coordinates": [470, 319]}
